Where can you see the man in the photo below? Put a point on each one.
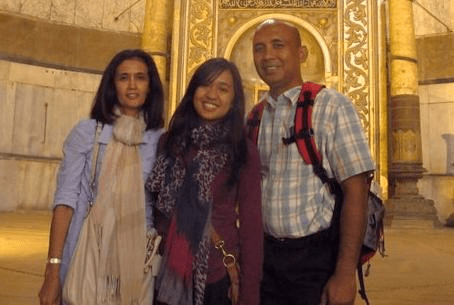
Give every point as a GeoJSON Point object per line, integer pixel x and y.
{"type": "Point", "coordinates": [302, 265]}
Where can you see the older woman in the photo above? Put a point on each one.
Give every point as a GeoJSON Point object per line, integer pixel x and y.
{"type": "Point", "coordinates": [127, 111]}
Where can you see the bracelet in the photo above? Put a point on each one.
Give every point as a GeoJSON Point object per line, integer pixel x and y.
{"type": "Point", "coordinates": [54, 260]}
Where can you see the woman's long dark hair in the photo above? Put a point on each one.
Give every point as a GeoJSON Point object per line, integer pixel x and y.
{"type": "Point", "coordinates": [106, 96]}
{"type": "Point", "coordinates": [186, 118]}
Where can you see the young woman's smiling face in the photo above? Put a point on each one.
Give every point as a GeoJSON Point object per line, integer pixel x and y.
{"type": "Point", "coordinates": [132, 85]}
{"type": "Point", "coordinates": [213, 101]}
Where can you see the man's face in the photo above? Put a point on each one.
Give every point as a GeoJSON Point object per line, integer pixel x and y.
{"type": "Point", "coordinates": [277, 56]}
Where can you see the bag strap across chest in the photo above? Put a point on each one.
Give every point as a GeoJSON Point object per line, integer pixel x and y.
{"type": "Point", "coordinates": [302, 133]}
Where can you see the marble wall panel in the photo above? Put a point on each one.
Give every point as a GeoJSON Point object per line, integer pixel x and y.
{"type": "Point", "coordinates": [50, 44]}
{"type": "Point", "coordinates": [440, 189]}
{"type": "Point", "coordinates": [85, 103]}
{"type": "Point", "coordinates": [435, 58]}
{"type": "Point", "coordinates": [63, 114]}
{"type": "Point", "coordinates": [30, 115]}
{"type": "Point", "coordinates": [84, 13]}
{"type": "Point", "coordinates": [426, 24]}
{"type": "Point", "coordinates": [7, 98]}
{"type": "Point", "coordinates": [29, 74]}
{"type": "Point", "coordinates": [48, 77]}
{"type": "Point", "coordinates": [4, 69]}
{"type": "Point", "coordinates": [137, 17]}
{"type": "Point", "coordinates": [88, 82]}
{"type": "Point", "coordinates": [112, 9]}
{"type": "Point", "coordinates": [8, 185]}
{"type": "Point", "coordinates": [33, 99]}
{"type": "Point", "coordinates": [63, 11]}
{"type": "Point", "coordinates": [36, 8]}
{"type": "Point", "coordinates": [66, 80]}
{"type": "Point", "coordinates": [425, 123]}
{"type": "Point", "coordinates": [89, 13]}
{"type": "Point", "coordinates": [38, 107]}
{"type": "Point", "coordinates": [35, 184]}
{"type": "Point", "coordinates": [437, 113]}
{"type": "Point", "coordinates": [10, 5]}
{"type": "Point", "coordinates": [76, 81]}
{"type": "Point", "coordinates": [441, 118]}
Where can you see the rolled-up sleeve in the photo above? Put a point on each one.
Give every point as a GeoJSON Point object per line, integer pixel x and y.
{"type": "Point", "coordinates": [76, 150]}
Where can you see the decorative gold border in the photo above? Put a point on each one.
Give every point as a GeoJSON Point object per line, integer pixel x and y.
{"type": "Point", "coordinates": [356, 57]}
{"type": "Point", "coordinates": [273, 4]}
{"type": "Point", "coordinates": [201, 25]}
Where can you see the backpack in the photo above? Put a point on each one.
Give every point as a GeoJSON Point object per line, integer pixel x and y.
{"type": "Point", "coordinates": [303, 135]}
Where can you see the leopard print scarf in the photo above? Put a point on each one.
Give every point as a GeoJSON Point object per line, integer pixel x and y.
{"type": "Point", "coordinates": [183, 192]}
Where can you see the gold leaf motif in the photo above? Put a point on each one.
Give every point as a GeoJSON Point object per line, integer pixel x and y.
{"type": "Point", "coordinates": [201, 31]}
{"type": "Point", "coordinates": [356, 57]}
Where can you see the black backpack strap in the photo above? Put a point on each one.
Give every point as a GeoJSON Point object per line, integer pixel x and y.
{"type": "Point", "coordinates": [362, 287]}
{"type": "Point", "coordinates": [253, 121]}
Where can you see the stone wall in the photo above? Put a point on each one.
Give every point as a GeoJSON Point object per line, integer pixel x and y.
{"type": "Point", "coordinates": [437, 129]}
{"type": "Point", "coordinates": [427, 25]}
{"type": "Point", "coordinates": [109, 15]}
{"type": "Point", "coordinates": [40, 42]}
{"type": "Point", "coordinates": [435, 46]}
{"type": "Point", "coordinates": [52, 55]}
{"type": "Point", "coordinates": [38, 107]}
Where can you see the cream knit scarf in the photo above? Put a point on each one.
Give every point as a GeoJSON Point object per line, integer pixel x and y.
{"type": "Point", "coordinates": [119, 215]}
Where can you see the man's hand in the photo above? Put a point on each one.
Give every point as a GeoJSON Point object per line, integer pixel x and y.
{"type": "Point", "coordinates": [341, 287]}
{"type": "Point", "coordinates": [339, 290]}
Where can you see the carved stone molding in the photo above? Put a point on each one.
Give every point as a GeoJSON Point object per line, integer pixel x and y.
{"type": "Point", "coordinates": [356, 57]}
{"type": "Point", "coordinates": [268, 4]}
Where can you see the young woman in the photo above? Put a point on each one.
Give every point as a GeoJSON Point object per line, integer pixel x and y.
{"type": "Point", "coordinates": [206, 178]}
{"type": "Point", "coordinates": [129, 107]}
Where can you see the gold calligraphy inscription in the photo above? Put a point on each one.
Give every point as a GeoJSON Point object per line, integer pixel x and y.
{"type": "Point", "coordinates": [241, 4]}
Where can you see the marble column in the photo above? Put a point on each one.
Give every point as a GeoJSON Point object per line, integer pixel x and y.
{"type": "Point", "coordinates": [156, 35]}
{"type": "Point", "coordinates": [406, 205]}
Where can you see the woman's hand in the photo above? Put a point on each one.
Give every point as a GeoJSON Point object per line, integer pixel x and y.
{"type": "Point", "coordinates": [50, 293]}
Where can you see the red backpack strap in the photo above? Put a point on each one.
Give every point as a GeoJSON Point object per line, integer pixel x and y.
{"type": "Point", "coordinates": [253, 121]}
{"type": "Point", "coordinates": [303, 132]}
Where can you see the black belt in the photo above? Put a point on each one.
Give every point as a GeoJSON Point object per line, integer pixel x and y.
{"type": "Point", "coordinates": [323, 236]}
